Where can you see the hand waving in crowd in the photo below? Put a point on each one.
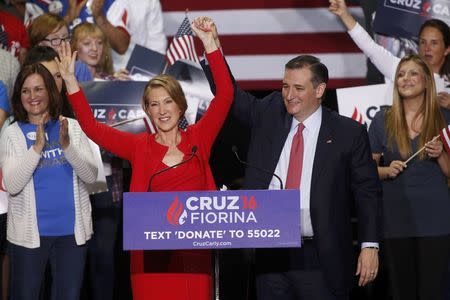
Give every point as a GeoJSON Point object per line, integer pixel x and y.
{"type": "Point", "coordinates": [66, 65]}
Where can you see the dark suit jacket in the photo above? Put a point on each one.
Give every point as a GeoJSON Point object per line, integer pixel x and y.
{"type": "Point", "coordinates": [343, 171]}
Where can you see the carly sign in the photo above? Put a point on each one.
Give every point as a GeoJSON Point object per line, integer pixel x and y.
{"type": "Point", "coordinates": [210, 220]}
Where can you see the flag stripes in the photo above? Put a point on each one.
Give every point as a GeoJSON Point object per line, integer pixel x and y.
{"type": "Point", "coordinates": [259, 36]}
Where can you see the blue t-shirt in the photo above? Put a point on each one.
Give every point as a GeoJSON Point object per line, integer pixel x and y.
{"type": "Point", "coordinates": [82, 72]}
{"type": "Point", "coordinates": [4, 102]}
{"type": "Point", "coordinates": [53, 183]}
{"type": "Point", "coordinates": [63, 6]}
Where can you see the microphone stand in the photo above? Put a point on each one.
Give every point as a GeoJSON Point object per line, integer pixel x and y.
{"type": "Point", "coordinates": [234, 149]}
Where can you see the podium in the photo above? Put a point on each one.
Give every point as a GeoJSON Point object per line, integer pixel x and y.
{"type": "Point", "coordinates": [209, 220]}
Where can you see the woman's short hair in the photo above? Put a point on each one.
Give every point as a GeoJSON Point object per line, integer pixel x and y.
{"type": "Point", "coordinates": [42, 26]}
{"type": "Point", "coordinates": [171, 85]}
{"type": "Point", "coordinates": [54, 105]}
{"type": "Point", "coordinates": [83, 30]}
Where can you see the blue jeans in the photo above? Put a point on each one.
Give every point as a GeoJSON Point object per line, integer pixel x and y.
{"type": "Point", "coordinates": [102, 254]}
{"type": "Point", "coordinates": [66, 260]}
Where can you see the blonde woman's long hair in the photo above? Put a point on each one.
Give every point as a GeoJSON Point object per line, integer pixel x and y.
{"type": "Point", "coordinates": [83, 30]}
{"type": "Point", "coordinates": [432, 118]}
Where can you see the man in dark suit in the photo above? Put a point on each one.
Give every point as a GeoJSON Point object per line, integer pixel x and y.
{"type": "Point", "coordinates": [335, 167]}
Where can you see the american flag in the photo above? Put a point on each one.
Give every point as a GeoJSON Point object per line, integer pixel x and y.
{"type": "Point", "coordinates": [183, 123]}
{"type": "Point", "coordinates": [445, 138]}
{"type": "Point", "coordinates": [182, 45]}
{"type": "Point", "coordinates": [259, 36]}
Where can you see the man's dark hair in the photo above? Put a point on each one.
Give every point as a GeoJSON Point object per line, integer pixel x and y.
{"type": "Point", "coordinates": [318, 70]}
{"type": "Point", "coordinates": [39, 54]}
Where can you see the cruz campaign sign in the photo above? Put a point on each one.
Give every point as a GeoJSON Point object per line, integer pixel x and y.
{"type": "Point", "coordinates": [363, 102]}
{"type": "Point", "coordinates": [211, 219]}
{"type": "Point", "coordinates": [409, 15]}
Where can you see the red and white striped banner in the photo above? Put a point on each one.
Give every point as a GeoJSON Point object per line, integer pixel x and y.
{"type": "Point", "coordinates": [260, 36]}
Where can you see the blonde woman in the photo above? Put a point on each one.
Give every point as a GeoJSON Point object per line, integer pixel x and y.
{"type": "Point", "coordinates": [415, 195]}
{"type": "Point", "coordinates": [93, 49]}
{"type": "Point", "coordinates": [164, 102]}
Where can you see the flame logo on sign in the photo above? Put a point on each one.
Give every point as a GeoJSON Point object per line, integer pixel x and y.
{"type": "Point", "coordinates": [175, 214]}
{"type": "Point", "coordinates": [357, 116]}
{"type": "Point", "coordinates": [425, 9]}
{"type": "Point", "coordinates": [111, 115]}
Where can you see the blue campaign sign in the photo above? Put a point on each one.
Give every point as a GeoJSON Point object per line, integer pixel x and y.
{"type": "Point", "coordinates": [114, 102]}
{"type": "Point", "coordinates": [409, 15]}
{"type": "Point", "coordinates": [211, 219]}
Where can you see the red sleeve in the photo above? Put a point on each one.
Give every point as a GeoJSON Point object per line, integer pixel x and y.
{"type": "Point", "coordinates": [115, 141]}
{"type": "Point", "coordinates": [212, 121]}
{"type": "Point", "coordinates": [25, 43]}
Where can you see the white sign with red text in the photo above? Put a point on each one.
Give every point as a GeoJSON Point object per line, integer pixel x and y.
{"type": "Point", "coordinates": [363, 102]}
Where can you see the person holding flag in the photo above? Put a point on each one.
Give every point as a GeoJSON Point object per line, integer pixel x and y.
{"type": "Point", "coordinates": [416, 202]}
{"type": "Point", "coordinates": [164, 102]}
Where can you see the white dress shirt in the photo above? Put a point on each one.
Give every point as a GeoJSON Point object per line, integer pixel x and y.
{"type": "Point", "coordinates": [310, 135]}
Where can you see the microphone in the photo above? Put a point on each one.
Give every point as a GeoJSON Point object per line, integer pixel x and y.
{"type": "Point", "coordinates": [193, 151]}
{"type": "Point", "coordinates": [235, 149]}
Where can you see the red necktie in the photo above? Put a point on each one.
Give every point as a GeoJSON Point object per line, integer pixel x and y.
{"type": "Point", "coordinates": [294, 174]}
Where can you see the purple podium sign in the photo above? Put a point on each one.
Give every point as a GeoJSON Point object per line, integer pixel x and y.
{"type": "Point", "coordinates": [211, 220]}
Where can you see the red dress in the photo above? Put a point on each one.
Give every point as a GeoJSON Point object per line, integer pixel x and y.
{"type": "Point", "coordinates": [168, 274]}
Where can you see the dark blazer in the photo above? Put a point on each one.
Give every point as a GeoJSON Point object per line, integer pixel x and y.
{"type": "Point", "coordinates": [343, 171]}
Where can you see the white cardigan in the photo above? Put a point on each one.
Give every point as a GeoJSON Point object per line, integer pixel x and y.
{"type": "Point", "coordinates": [18, 164]}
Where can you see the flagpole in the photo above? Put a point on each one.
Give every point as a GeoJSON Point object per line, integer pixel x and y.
{"type": "Point", "coordinates": [126, 121]}
{"type": "Point", "coordinates": [165, 68]}
{"type": "Point", "coordinates": [420, 150]}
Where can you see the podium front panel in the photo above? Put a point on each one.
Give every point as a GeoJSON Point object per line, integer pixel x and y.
{"type": "Point", "coordinates": [211, 219]}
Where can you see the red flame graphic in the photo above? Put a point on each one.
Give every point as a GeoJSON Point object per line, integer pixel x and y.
{"type": "Point", "coordinates": [174, 212]}
{"type": "Point", "coordinates": [111, 114]}
{"type": "Point", "coordinates": [357, 116]}
{"type": "Point", "coordinates": [425, 9]}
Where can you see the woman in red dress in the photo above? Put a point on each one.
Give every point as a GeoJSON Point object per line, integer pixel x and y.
{"type": "Point", "coordinates": [164, 274]}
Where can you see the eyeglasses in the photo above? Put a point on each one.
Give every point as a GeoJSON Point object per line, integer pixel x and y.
{"type": "Point", "coordinates": [57, 41]}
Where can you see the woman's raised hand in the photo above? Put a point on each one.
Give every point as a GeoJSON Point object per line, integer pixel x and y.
{"type": "Point", "coordinates": [66, 60]}
{"type": "Point", "coordinates": [204, 28]}
{"type": "Point", "coordinates": [339, 8]}
{"type": "Point", "coordinates": [66, 65]}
